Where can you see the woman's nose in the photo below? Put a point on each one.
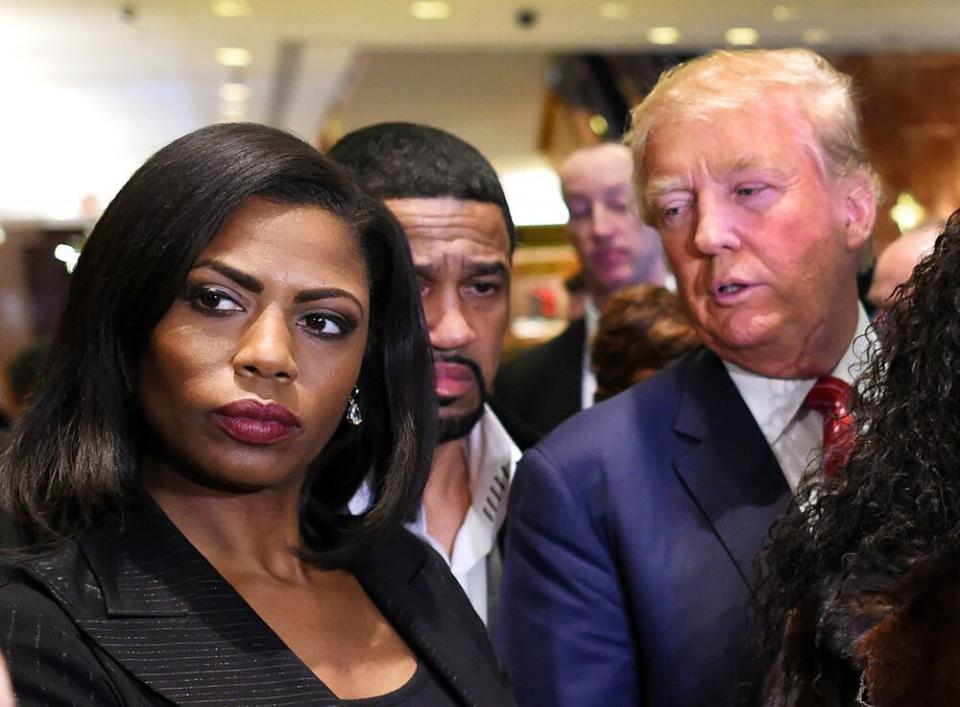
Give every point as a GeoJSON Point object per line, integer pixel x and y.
{"type": "Point", "coordinates": [265, 349]}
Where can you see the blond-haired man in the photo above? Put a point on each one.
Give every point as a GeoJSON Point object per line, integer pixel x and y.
{"type": "Point", "coordinates": [616, 249]}
{"type": "Point", "coordinates": [634, 526]}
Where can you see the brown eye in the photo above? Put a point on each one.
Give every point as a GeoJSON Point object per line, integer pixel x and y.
{"type": "Point", "coordinates": [325, 326]}
{"type": "Point", "coordinates": [209, 299]}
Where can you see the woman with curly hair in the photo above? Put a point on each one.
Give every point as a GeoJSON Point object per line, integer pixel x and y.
{"type": "Point", "coordinates": [641, 330]}
{"type": "Point", "coordinates": [861, 600]}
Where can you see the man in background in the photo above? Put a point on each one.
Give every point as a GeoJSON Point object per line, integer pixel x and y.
{"type": "Point", "coordinates": [897, 261]}
{"type": "Point", "coordinates": [451, 206]}
{"type": "Point", "coordinates": [551, 382]}
{"type": "Point", "coordinates": [634, 526]}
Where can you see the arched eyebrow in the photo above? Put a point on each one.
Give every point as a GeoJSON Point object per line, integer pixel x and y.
{"type": "Point", "coordinates": [253, 284]}
{"type": "Point", "coordinates": [245, 280]}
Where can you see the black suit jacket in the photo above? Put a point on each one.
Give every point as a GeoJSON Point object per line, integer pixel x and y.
{"type": "Point", "coordinates": [132, 614]}
{"type": "Point", "coordinates": [543, 386]}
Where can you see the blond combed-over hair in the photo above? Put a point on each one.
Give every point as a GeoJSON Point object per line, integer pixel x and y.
{"type": "Point", "coordinates": [730, 80]}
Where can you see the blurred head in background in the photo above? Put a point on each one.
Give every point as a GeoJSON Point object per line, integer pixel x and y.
{"type": "Point", "coordinates": [616, 248]}
{"type": "Point", "coordinates": [641, 330]}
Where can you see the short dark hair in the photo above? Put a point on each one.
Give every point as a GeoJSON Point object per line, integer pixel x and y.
{"type": "Point", "coordinates": [413, 161]}
{"type": "Point", "coordinates": [74, 452]}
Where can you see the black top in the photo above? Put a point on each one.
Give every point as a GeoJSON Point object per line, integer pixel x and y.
{"type": "Point", "coordinates": [422, 690]}
{"type": "Point", "coordinates": [130, 613]}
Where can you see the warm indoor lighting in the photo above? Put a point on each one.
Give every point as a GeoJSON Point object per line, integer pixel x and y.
{"type": "Point", "coordinates": [234, 92]}
{"type": "Point", "coordinates": [229, 9]}
{"type": "Point", "coordinates": [741, 36]}
{"type": "Point", "coordinates": [233, 112]}
{"type": "Point", "coordinates": [3, 236]}
{"type": "Point", "coordinates": [599, 125]}
{"type": "Point", "coordinates": [68, 255]}
{"type": "Point", "coordinates": [663, 35]}
{"type": "Point", "coordinates": [614, 10]}
{"type": "Point", "coordinates": [907, 212]}
{"type": "Point", "coordinates": [533, 193]}
{"type": "Point", "coordinates": [234, 56]}
{"type": "Point", "coordinates": [816, 35]}
{"type": "Point", "coordinates": [783, 13]}
{"type": "Point", "coordinates": [430, 9]}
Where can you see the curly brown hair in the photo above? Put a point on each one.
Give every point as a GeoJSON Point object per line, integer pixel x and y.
{"type": "Point", "coordinates": [641, 330]}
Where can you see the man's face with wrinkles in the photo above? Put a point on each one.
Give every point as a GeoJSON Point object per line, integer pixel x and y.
{"type": "Point", "coordinates": [461, 253]}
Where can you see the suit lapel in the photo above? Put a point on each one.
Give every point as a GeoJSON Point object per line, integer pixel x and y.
{"type": "Point", "coordinates": [729, 469]}
{"type": "Point", "coordinates": [174, 623]}
{"type": "Point", "coordinates": [421, 604]}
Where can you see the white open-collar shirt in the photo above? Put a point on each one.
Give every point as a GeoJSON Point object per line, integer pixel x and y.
{"type": "Point", "coordinates": [491, 458]}
{"type": "Point", "coordinates": [794, 432]}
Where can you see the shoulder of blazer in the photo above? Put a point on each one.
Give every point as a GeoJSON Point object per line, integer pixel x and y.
{"type": "Point", "coordinates": [414, 588]}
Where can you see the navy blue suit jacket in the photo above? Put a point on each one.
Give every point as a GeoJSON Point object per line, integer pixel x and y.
{"type": "Point", "coordinates": [632, 531]}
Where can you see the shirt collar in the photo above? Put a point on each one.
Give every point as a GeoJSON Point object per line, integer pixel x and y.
{"type": "Point", "coordinates": [491, 458]}
{"type": "Point", "coordinates": [774, 402]}
{"type": "Point", "coordinates": [591, 316]}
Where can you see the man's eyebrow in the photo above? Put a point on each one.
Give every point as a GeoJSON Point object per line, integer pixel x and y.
{"type": "Point", "coordinates": [424, 269]}
{"type": "Point", "coordinates": [247, 282]}
{"type": "Point", "coordinates": [660, 186]}
{"type": "Point", "coordinates": [483, 269]}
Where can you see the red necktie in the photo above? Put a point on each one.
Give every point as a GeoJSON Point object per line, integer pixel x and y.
{"type": "Point", "coordinates": [831, 398]}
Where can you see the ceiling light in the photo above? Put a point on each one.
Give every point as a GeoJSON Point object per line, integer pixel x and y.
{"type": "Point", "coordinates": [234, 56]}
{"type": "Point", "coordinates": [614, 10]}
{"type": "Point", "coordinates": [599, 125]}
{"type": "Point", "coordinates": [741, 36]}
{"type": "Point", "coordinates": [430, 9]}
{"type": "Point", "coordinates": [663, 35]}
{"type": "Point", "coordinates": [68, 255]}
{"type": "Point", "coordinates": [816, 35]}
{"type": "Point", "coordinates": [229, 9]}
{"type": "Point", "coordinates": [234, 92]}
{"type": "Point", "coordinates": [907, 213]}
{"type": "Point", "coordinates": [783, 13]}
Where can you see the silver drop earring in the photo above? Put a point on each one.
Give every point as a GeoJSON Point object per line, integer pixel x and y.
{"type": "Point", "coordinates": [354, 416]}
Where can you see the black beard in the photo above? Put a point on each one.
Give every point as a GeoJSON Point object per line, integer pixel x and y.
{"type": "Point", "coordinates": [451, 428]}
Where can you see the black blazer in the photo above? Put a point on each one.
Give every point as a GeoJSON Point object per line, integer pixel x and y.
{"type": "Point", "coordinates": [130, 613]}
{"type": "Point", "coordinates": [543, 386]}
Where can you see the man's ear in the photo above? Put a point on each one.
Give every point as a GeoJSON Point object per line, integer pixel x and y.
{"type": "Point", "coordinates": [859, 209]}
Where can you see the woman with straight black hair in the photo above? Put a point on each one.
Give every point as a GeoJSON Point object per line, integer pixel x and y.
{"type": "Point", "coordinates": [243, 344]}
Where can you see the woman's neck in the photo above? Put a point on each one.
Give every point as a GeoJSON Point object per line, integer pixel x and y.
{"type": "Point", "coordinates": [238, 531]}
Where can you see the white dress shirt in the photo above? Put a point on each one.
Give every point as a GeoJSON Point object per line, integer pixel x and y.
{"type": "Point", "coordinates": [588, 380]}
{"type": "Point", "coordinates": [794, 432]}
{"type": "Point", "coordinates": [491, 458]}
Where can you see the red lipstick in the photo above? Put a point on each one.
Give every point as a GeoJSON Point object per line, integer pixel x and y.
{"type": "Point", "coordinates": [251, 422]}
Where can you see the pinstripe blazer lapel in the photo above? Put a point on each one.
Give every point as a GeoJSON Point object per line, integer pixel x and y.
{"type": "Point", "coordinates": [164, 614]}
{"type": "Point", "coordinates": [173, 622]}
{"type": "Point", "coordinates": [412, 586]}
